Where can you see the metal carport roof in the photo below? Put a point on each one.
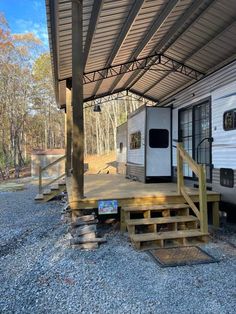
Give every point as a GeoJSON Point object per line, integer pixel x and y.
{"type": "Point", "coordinates": [150, 47]}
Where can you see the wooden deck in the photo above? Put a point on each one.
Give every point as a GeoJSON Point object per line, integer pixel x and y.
{"type": "Point", "coordinates": [127, 192]}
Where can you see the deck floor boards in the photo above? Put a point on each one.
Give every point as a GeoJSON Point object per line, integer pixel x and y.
{"type": "Point", "coordinates": [108, 186]}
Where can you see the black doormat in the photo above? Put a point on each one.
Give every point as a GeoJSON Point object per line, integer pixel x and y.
{"type": "Point", "coordinates": [181, 256]}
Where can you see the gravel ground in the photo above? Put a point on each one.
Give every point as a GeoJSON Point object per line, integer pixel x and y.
{"type": "Point", "coordinates": [40, 273]}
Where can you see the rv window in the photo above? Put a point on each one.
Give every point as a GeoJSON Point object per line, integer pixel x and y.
{"type": "Point", "coordinates": [135, 140]}
{"type": "Point", "coordinates": [121, 147]}
{"type": "Point", "coordinates": [230, 120]}
{"type": "Point", "coordinates": [158, 138]}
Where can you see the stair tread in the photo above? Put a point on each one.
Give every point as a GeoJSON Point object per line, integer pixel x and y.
{"type": "Point", "coordinates": [166, 235]}
{"type": "Point", "coordinates": [154, 207]}
{"type": "Point", "coordinates": [38, 197]}
{"type": "Point", "coordinates": [161, 220]}
{"type": "Point", "coordinates": [47, 192]}
{"type": "Point", "coordinates": [55, 187]}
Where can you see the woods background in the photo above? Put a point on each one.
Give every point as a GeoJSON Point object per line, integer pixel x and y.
{"type": "Point", "coordinates": [29, 117]}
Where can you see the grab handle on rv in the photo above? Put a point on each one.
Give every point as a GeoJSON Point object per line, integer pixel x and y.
{"type": "Point", "coordinates": [210, 140]}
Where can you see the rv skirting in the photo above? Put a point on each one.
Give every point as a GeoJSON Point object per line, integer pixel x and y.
{"type": "Point", "coordinates": [136, 171]}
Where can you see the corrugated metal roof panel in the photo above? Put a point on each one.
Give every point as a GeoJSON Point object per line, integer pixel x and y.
{"type": "Point", "coordinates": [205, 37]}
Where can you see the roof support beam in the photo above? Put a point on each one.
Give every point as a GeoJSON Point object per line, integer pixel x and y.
{"type": "Point", "coordinates": [122, 36]}
{"type": "Point", "coordinates": [100, 99]}
{"type": "Point", "coordinates": [158, 21]}
{"type": "Point", "coordinates": [77, 102]}
{"type": "Point", "coordinates": [97, 7]}
{"type": "Point", "coordinates": [150, 62]}
{"type": "Point", "coordinates": [195, 51]}
{"type": "Point", "coordinates": [179, 27]}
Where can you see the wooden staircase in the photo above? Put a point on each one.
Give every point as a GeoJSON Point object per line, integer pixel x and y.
{"type": "Point", "coordinates": [171, 224]}
{"type": "Point", "coordinates": [162, 226]}
{"type": "Point", "coordinates": [51, 192]}
{"type": "Point", "coordinates": [52, 188]}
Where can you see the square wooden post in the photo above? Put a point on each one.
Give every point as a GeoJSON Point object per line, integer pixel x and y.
{"type": "Point", "coordinates": [180, 176]}
{"type": "Point", "coordinates": [215, 214]}
{"type": "Point", "coordinates": [77, 101]}
{"type": "Point", "coordinates": [203, 200]}
{"type": "Point", "coordinates": [68, 133]}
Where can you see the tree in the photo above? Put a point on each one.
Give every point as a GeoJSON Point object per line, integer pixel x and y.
{"type": "Point", "coordinates": [25, 84]}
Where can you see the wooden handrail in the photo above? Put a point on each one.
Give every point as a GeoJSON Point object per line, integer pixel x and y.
{"type": "Point", "coordinates": [53, 163]}
{"type": "Point", "coordinates": [42, 169]}
{"type": "Point", "coordinates": [199, 170]}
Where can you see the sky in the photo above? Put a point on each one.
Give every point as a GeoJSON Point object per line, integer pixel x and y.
{"type": "Point", "coordinates": [26, 16]}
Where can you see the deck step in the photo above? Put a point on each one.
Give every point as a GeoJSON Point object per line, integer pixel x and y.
{"type": "Point", "coordinates": [154, 207]}
{"type": "Point", "coordinates": [47, 192]}
{"type": "Point", "coordinates": [167, 235]}
{"type": "Point", "coordinates": [160, 220]}
{"type": "Point", "coordinates": [55, 187]}
{"type": "Point", "coordinates": [62, 183]}
{"type": "Point", "coordinates": [38, 197]}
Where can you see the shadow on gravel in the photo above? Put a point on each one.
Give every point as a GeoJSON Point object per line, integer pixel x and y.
{"type": "Point", "coordinates": [15, 243]}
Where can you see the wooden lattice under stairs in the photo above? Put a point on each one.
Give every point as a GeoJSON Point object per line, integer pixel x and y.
{"type": "Point", "coordinates": [162, 226]}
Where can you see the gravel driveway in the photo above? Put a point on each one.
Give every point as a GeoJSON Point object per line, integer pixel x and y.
{"type": "Point", "coordinates": [40, 273]}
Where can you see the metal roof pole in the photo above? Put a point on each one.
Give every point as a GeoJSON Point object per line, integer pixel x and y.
{"type": "Point", "coordinates": [77, 101]}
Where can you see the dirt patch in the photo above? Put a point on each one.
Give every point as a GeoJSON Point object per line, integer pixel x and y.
{"type": "Point", "coordinates": [100, 164]}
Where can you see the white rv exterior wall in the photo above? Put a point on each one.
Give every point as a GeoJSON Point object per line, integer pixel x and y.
{"type": "Point", "coordinates": [218, 83]}
{"type": "Point", "coordinates": [121, 137]}
{"type": "Point", "coordinates": [135, 124]}
{"type": "Point", "coordinates": [121, 156]}
{"type": "Point", "coordinates": [221, 87]}
{"type": "Point", "coordinates": [224, 145]}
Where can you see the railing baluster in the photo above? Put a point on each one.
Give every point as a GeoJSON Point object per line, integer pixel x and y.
{"type": "Point", "coordinates": [41, 169]}
{"type": "Point", "coordinates": [203, 199]}
{"type": "Point", "coordinates": [40, 179]}
{"type": "Point", "coordinates": [180, 178]}
{"type": "Point", "coordinates": [200, 172]}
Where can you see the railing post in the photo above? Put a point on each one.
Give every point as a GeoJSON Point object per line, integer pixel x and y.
{"type": "Point", "coordinates": [180, 178]}
{"type": "Point", "coordinates": [40, 179]}
{"type": "Point", "coordinates": [203, 199]}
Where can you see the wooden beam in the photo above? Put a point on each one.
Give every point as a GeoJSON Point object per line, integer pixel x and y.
{"type": "Point", "coordinates": [97, 7]}
{"type": "Point", "coordinates": [77, 101]}
{"type": "Point", "coordinates": [215, 214]}
{"type": "Point", "coordinates": [68, 133]}
{"type": "Point", "coordinates": [203, 199]}
{"type": "Point", "coordinates": [180, 178]}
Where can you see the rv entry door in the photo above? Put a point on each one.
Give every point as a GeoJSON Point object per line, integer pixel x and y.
{"type": "Point", "coordinates": [158, 143]}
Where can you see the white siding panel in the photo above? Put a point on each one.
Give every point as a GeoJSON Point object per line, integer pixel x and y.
{"type": "Point", "coordinates": [135, 124]}
{"type": "Point", "coordinates": [218, 83]}
{"type": "Point", "coordinates": [224, 145]}
{"type": "Point", "coordinates": [121, 137]}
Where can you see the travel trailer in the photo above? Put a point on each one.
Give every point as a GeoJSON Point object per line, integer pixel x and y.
{"type": "Point", "coordinates": [148, 153]}
{"type": "Point", "coordinates": [203, 118]}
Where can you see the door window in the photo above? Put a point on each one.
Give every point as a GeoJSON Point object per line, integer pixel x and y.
{"type": "Point", "coordinates": [159, 138]}
{"type": "Point", "coordinates": [194, 132]}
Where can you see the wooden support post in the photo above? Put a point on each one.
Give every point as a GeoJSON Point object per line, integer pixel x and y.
{"type": "Point", "coordinates": [40, 179]}
{"type": "Point", "coordinates": [180, 177]}
{"type": "Point", "coordinates": [68, 132]}
{"type": "Point", "coordinates": [122, 221]}
{"type": "Point", "coordinates": [203, 200]}
{"type": "Point", "coordinates": [215, 214]}
{"type": "Point", "coordinates": [77, 101]}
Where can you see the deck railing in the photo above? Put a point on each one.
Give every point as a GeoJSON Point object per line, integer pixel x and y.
{"type": "Point", "coordinates": [42, 169]}
{"type": "Point", "coordinates": [199, 170]}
